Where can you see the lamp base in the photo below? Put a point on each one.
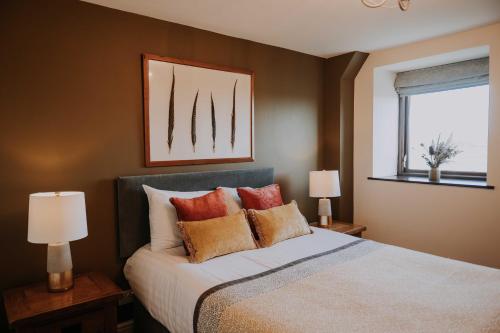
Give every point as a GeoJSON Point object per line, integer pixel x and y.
{"type": "Point", "coordinates": [323, 221]}
{"type": "Point", "coordinates": [59, 267]}
{"type": "Point", "coordinates": [324, 211]}
{"type": "Point", "coordinates": [58, 282]}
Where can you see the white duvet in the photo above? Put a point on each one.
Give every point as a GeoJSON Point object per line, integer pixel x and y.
{"type": "Point", "coordinates": [169, 286]}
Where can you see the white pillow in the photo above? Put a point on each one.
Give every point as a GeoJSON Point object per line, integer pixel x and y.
{"type": "Point", "coordinates": [232, 199]}
{"type": "Point", "coordinates": [163, 217]}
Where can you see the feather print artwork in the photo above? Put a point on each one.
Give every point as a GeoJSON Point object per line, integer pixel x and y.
{"type": "Point", "coordinates": [233, 116]}
{"type": "Point", "coordinates": [171, 113]}
{"type": "Point", "coordinates": [214, 125]}
{"type": "Point", "coordinates": [196, 113]}
{"type": "Point", "coordinates": [193, 122]}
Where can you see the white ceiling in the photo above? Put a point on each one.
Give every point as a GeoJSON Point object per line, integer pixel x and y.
{"type": "Point", "coordinates": [319, 27]}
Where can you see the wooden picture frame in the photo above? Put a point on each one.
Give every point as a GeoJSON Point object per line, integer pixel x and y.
{"type": "Point", "coordinates": [159, 146]}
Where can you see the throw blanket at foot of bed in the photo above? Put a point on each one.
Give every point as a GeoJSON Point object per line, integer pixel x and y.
{"type": "Point", "coordinates": [363, 286]}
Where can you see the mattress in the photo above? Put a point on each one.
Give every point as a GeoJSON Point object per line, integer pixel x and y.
{"type": "Point", "coordinates": [322, 282]}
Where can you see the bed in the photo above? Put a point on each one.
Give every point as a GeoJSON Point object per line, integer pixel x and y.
{"type": "Point", "coordinates": [322, 282]}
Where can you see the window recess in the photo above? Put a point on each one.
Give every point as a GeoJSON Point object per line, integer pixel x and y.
{"type": "Point", "coordinates": [444, 100]}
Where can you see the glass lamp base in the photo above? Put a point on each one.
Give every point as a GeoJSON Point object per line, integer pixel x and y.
{"type": "Point", "coordinates": [323, 221]}
{"type": "Point", "coordinates": [58, 282]}
{"type": "Point", "coordinates": [59, 267]}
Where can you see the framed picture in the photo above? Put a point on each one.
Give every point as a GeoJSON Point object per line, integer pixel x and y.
{"type": "Point", "coordinates": [196, 113]}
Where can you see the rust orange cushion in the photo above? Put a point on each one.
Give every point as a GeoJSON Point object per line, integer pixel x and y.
{"type": "Point", "coordinates": [260, 198]}
{"type": "Point", "coordinates": [206, 207]}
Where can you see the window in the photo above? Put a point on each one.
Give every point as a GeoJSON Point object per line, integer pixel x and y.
{"type": "Point", "coordinates": [440, 110]}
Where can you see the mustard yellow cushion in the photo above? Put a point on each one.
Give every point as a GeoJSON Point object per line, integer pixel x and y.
{"type": "Point", "coordinates": [216, 237]}
{"type": "Point", "coordinates": [276, 224]}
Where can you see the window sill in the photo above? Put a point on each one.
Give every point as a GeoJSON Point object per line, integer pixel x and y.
{"type": "Point", "coordinates": [443, 182]}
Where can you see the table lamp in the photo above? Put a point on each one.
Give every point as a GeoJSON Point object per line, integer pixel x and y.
{"type": "Point", "coordinates": [324, 184]}
{"type": "Point", "coordinates": [56, 218]}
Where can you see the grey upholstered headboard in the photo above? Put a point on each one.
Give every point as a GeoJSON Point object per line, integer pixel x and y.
{"type": "Point", "coordinates": [133, 211]}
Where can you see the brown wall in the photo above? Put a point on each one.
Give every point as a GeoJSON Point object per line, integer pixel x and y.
{"type": "Point", "coordinates": [337, 124]}
{"type": "Point", "coordinates": [71, 116]}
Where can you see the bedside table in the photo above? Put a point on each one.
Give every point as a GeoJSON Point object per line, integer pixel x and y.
{"type": "Point", "coordinates": [343, 227]}
{"type": "Point", "coordinates": [90, 306]}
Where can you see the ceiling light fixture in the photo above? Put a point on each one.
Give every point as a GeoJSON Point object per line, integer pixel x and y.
{"type": "Point", "coordinates": [403, 4]}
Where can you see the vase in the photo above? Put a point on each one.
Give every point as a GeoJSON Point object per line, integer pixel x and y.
{"type": "Point", "coordinates": [434, 174]}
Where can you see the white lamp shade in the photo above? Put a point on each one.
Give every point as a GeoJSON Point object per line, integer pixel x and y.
{"type": "Point", "coordinates": [324, 184]}
{"type": "Point", "coordinates": [56, 217]}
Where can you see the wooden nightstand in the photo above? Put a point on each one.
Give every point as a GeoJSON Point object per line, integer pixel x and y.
{"type": "Point", "coordinates": [343, 227]}
{"type": "Point", "coordinates": [89, 307]}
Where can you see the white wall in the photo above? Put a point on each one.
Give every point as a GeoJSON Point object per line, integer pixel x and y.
{"type": "Point", "coordinates": [385, 123]}
{"type": "Point", "coordinates": [456, 222]}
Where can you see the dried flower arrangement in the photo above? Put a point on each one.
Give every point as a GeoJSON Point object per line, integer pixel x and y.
{"type": "Point", "coordinates": [439, 152]}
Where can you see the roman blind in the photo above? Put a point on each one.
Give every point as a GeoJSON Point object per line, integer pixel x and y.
{"type": "Point", "coordinates": [457, 75]}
